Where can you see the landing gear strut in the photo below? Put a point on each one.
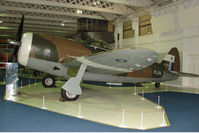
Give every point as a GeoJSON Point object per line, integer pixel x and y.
{"type": "Point", "coordinates": [71, 90]}
{"type": "Point", "coordinates": [157, 85]}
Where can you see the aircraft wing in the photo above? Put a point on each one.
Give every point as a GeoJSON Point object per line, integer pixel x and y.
{"type": "Point", "coordinates": [120, 60]}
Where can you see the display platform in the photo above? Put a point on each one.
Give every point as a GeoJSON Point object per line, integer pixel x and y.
{"type": "Point", "coordinates": [115, 106]}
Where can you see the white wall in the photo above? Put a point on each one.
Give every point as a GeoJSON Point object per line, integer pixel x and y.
{"type": "Point", "coordinates": [179, 34]}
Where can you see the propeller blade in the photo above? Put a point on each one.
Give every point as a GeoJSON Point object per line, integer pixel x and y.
{"type": "Point", "coordinates": [20, 30]}
{"type": "Point", "coordinates": [11, 47]}
{"type": "Point", "coordinates": [18, 38]}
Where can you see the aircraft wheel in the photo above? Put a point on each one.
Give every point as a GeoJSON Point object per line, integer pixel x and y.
{"type": "Point", "coordinates": [67, 96]}
{"type": "Point", "coordinates": [48, 81]}
{"type": "Point", "coordinates": [157, 85]}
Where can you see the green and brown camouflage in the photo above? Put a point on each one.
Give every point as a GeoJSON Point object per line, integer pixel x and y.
{"type": "Point", "coordinates": [56, 49]}
{"type": "Point", "coordinates": [60, 50]}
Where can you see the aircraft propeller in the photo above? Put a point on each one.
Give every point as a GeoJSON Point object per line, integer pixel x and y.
{"type": "Point", "coordinates": [13, 44]}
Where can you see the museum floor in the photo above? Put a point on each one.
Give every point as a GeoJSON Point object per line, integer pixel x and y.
{"type": "Point", "coordinates": [114, 106]}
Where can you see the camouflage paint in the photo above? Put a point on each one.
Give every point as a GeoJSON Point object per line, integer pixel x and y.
{"type": "Point", "coordinates": [153, 71]}
{"type": "Point", "coordinates": [57, 50]}
{"type": "Point", "coordinates": [176, 65]}
{"type": "Point", "coordinates": [157, 69]}
{"type": "Point", "coordinates": [43, 49]}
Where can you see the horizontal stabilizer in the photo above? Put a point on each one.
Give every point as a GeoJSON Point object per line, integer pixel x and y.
{"type": "Point", "coordinates": [186, 74]}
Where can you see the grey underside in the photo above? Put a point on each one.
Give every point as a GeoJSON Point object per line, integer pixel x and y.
{"type": "Point", "coordinates": [48, 67]}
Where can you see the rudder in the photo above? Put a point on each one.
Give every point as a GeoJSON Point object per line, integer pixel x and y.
{"type": "Point", "coordinates": [172, 60]}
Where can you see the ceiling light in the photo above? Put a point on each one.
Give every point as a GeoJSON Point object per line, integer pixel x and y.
{"type": "Point", "coordinates": [94, 3]}
{"type": "Point", "coordinates": [138, 65]}
{"type": "Point", "coordinates": [149, 59]}
{"type": "Point", "coordinates": [131, 68]}
{"type": "Point", "coordinates": [79, 11]}
{"type": "Point", "coordinates": [1, 21]}
{"type": "Point", "coordinates": [62, 24]}
{"type": "Point", "coordinates": [98, 2]}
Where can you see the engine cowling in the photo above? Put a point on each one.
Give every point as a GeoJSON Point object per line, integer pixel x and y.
{"type": "Point", "coordinates": [24, 50]}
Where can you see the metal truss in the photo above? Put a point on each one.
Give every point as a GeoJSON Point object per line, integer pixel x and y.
{"type": "Point", "coordinates": [40, 22]}
{"type": "Point", "coordinates": [12, 33]}
{"type": "Point", "coordinates": [46, 16]}
{"type": "Point", "coordinates": [14, 29]}
{"type": "Point", "coordinates": [86, 5]}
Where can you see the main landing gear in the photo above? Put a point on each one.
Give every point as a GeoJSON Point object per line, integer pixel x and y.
{"type": "Point", "coordinates": [71, 90]}
{"type": "Point", "coordinates": [67, 96]}
{"type": "Point", "coordinates": [157, 85]}
{"type": "Point", "coordinates": [48, 81]}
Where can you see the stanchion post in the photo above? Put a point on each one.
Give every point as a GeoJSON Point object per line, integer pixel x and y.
{"type": "Point", "coordinates": [135, 90]}
{"type": "Point", "coordinates": [80, 109]}
{"type": "Point", "coordinates": [158, 107]}
{"type": "Point", "coordinates": [147, 85]}
{"type": "Point", "coordinates": [109, 86]}
{"type": "Point", "coordinates": [142, 98]}
{"type": "Point", "coordinates": [142, 121]}
{"type": "Point", "coordinates": [123, 120]}
{"type": "Point", "coordinates": [43, 103]}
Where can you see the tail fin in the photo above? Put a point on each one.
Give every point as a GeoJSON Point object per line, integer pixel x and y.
{"type": "Point", "coordinates": [172, 60]}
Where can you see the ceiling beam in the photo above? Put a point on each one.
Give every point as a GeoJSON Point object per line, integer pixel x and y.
{"type": "Point", "coordinates": [36, 17]}
{"type": "Point", "coordinates": [40, 27]}
{"type": "Point", "coordinates": [14, 32]}
{"type": "Point", "coordinates": [70, 5]}
{"type": "Point", "coordinates": [134, 3]}
{"type": "Point", "coordinates": [49, 12]}
{"type": "Point", "coordinates": [35, 30]}
{"type": "Point", "coordinates": [38, 22]}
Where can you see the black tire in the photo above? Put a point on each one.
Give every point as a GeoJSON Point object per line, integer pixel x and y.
{"type": "Point", "coordinates": [48, 81]}
{"type": "Point", "coordinates": [67, 96]}
{"type": "Point", "coordinates": [157, 85]}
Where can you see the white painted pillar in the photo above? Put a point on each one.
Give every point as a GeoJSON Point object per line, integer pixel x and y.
{"type": "Point", "coordinates": [118, 35]}
{"type": "Point", "coordinates": [135, 27]}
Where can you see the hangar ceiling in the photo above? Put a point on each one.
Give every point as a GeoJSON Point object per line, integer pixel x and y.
{"type": "Point", "coordinates": [58, 17]}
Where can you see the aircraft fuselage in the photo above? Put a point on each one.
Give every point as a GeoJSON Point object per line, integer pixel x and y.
{"type": "Point", "coordinates": [52, 55]}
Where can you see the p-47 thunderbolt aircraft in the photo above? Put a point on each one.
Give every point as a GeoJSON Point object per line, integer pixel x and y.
{"type": "Point", "coordinates": [70, 59]}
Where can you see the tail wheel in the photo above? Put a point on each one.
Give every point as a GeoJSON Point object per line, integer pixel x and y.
{"type": "Point", "coordinates": [48, 81]}
{"type": "Point", "coordinates": [67, 96]}
{"type": "Point", "coordinates": [157, 85]}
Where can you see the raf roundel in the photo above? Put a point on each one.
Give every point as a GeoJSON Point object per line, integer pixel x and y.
{"type": "Point", "coordinates": [121, 60]}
